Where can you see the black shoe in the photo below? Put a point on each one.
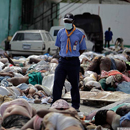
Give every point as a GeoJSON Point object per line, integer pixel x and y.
{"type": "Point", "coordinates": [77, 110]}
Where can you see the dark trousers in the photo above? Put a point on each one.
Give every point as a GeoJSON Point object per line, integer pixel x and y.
{"type": "Point", "coordinates": [70, 68]}
{"type": "Point", "coordinates": [108, 43]}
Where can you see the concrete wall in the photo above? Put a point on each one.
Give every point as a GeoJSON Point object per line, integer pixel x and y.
{"type": "Point", "coordinates": [45, 19]}
{"type": "Point", "coordinates": [43, 24]}
{"type": "Point", "coordinates": [15, 17]}
{"type": "Point", "coordinates": [115, 16]}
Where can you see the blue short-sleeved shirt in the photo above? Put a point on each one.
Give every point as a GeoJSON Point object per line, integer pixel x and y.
{"type": "Point", "coordinates": [75, 39]}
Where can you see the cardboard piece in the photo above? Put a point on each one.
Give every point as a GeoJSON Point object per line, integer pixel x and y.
{"type": "Point", "coordinates": [100, 96]}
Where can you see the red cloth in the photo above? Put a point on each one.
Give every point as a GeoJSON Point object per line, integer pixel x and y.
{"type": "Point", "coordinates": [10, 65]}
{"type": "Point", "coordinates": [109, 73]}
{"type": "Point", "coordinates": [114, 72]}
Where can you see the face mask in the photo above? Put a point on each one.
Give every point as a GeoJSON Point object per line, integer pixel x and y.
{"type": "Point", "coordinates": [68, 26]}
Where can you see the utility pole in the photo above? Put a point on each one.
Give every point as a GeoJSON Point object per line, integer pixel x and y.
{"type": "Point", "coordinates": [9, 17]}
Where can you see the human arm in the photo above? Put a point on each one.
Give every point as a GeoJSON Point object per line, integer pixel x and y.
{"type": "Point", "coordinates": [82, 44]}
{"type": "Point", "coordinates": [112, 36]}
{"type": "Point", "coordinates": [85, 60]}
{"type": "Point", "coordinates": [26, 91]}
{"type": "Point", "coordinates": [11, 74]}
{"type": "Point", "coordinates": [9, 59]}
{"type": "Point", "coordinates": [29, 124]}
{"type": "Point", "coordinates": [33, 112]}
{"type": "Point", "coordinates": [37, 94]}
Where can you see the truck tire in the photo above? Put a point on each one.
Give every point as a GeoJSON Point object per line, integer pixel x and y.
{"type": "Point", "coordinates": [48, 51]}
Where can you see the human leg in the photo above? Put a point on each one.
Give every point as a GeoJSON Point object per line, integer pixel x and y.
{"type": "Point", "coordinates": [108, 44]}
{"type": "Point", "coordinates": [73, 74]}
{"type": "Point", "coordinates": [73, 128]}
{"type": "Point", "coordinates": [60, 75]}
{"type": "Point", "coordinates": [18, 80]}
{"type": "Point", "coordinates": [105, 43]}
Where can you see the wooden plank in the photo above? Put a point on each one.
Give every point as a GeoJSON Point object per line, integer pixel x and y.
{"type": "Point", "coordinates": [127, 100]}
{"type": "Point", "coordinates": [100, 96]}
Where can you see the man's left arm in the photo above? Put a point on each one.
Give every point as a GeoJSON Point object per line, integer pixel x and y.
{"type": "Point", "coordinates": [112, 36]}
{"type": "Point", "coordinates": [82, 45]}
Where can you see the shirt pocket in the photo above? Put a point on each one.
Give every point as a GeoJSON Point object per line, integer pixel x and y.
{"type": "Point", "coordinates": [63, 39]}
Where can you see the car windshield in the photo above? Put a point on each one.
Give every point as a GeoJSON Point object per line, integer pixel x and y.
{"type": "Point", "coordinates": [27, 36]}
{"type": "Point", "coordinates": [55, 32]}
{"type": "Point", "coordinates": [49, 37]}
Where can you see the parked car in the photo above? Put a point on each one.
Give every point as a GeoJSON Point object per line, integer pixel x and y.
{"type": "Point", "coordinates": [54, 30]}
{"type": "Point", "coordinates": [32, 42]}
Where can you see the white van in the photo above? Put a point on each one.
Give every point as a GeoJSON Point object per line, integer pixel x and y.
{"type": "Point", "coordinates": [54, 30]}
{"type": "Point", "coordinates": [32, 42]}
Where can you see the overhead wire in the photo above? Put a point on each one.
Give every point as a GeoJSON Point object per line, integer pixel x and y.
{"type": "Point", "coordinates": [50, 9]}
{"type": "Point", "coordinates": [74, 8]}
{"type": "Point", "coordinates": [35, 7]}
{"type": "Point", "coordinates": [52, 13]}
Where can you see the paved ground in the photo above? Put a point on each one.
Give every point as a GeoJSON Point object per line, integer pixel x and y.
{"type": "Point", "coordinates": [86, 108]}
{"type": "Point", "coordinates": [83, 108]}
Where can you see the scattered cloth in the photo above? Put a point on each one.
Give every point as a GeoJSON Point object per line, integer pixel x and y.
{"type": "Point", "coordinates": [125, 117]}
{"type": "Point", "coordinates": [123, 87]}
{"type": "Point", "coordinates": [35, 78]}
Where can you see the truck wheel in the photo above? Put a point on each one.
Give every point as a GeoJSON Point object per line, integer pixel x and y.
{"type": "Point", "coordinates": [57, 51]}
{"type": "Point", "coordinates": [93, 49]}
{"type": "Point", "coordinates": [48, 51]}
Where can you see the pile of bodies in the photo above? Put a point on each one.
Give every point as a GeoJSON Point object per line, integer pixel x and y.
{"type": "Point", "coordinates": [24, 80]}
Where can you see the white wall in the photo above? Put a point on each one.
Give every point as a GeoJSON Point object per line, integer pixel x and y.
{"type": "Point", "coordinates": [115, 16]}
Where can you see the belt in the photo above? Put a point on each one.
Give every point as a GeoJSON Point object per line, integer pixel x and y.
{"type": "Point", "coordinates": [69, 58]}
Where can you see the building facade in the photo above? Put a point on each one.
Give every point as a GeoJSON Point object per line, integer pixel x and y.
{"type": "Point", "coordinates": [10, 17]}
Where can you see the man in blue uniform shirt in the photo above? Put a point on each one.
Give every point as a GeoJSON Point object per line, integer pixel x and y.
{"type": "Point", "coordinates": [108, 37]}
{"type": "Point", "coordinates": [71, 43]}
